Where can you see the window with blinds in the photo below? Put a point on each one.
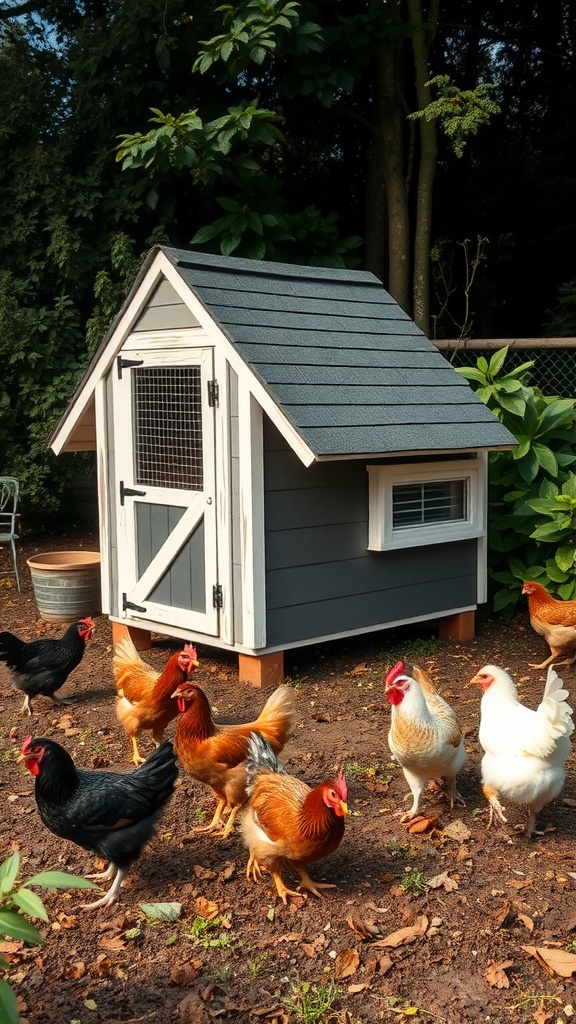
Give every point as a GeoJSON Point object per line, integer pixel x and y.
{"type": "Point", "coordinates": [432, 502]}
{"type": "Point", "coordinates": [426, 503]}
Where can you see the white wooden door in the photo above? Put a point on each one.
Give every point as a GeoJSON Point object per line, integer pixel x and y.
{"type": "Point", "coordinates": [165, 479]}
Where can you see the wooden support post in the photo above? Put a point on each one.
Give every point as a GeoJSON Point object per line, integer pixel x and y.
{"type": "Point", "coordinates": [262, 670]}
{"type": "Point", "coordinates": [457, 627]}
{"type": "Point", "coordinates": [141, 638]}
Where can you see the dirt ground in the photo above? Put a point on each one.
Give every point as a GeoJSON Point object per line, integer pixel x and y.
{"type": "Point", "coordinates": [470, 933]}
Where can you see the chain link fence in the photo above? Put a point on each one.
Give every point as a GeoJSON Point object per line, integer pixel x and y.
{"type": "Point", "coordinates": [554, 370]}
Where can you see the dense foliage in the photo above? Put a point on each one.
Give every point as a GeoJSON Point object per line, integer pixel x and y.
{"type": "Point", "coordinates": [271, 128]}
{"type": "Point", "coordinates": [532, 489]}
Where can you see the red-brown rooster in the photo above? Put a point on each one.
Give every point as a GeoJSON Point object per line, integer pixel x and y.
{"type": "Point", "coordinates": [555, 620]}
{"type": "Point", "coordinates": [215, 754]}
{"type": "Point", "coordinates": [40, 667]}
{"type": "Point", "coordinates": [288, 822]}
{"type": "Point", "coordinates": [144, 698]}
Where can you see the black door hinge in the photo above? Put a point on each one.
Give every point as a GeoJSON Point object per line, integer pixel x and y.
{"type": "Point", "coordinates": [129, 492]}
{"type": "Point", "coordinates": [130, 606]}
{"type": "Point", "coordinates": [213, 392]}
{"type": "Point", "coordinates": [126, 364]}
{"type": "Point", "coordinates": [217, 596]}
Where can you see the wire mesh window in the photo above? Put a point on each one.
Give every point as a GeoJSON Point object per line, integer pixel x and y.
{"type": "Point", "coordinates": [423, 504]}
{"type": "Point", "coordinates": [168, 427]}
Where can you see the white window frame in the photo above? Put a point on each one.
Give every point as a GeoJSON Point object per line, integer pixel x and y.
{"type": "Point", "coordinates": [381, 482]}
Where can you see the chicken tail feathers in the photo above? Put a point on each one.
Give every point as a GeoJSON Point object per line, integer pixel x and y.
{"type": "Point", "coordinates": [554, 708]}
{"type": "Point", "coordinates": [277, 718]}
{"type": "Point", "coordinates": [10, 648]}
{"type": "Point", "coordinates": [125, 660]}
{"type": "Point", "coordinates": [260, 758]}
{"type": "Point", "coordinates": [158, 773]}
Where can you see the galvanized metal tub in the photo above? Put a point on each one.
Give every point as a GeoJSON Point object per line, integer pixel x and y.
{"type": "Point", "coordinates": [66, 584]}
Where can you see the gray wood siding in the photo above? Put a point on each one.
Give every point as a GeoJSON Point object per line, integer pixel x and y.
{"type": "Point", "coordinates": [320, 577]}
{"type": "Point", "coordinates": [183, 585]}
{"type": "Point", "coordinates": [165, 311]}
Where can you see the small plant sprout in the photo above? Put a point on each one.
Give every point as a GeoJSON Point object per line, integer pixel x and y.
{"type": "Point", "coordinates": [17, 903]}
{"type": "Point", "coordinates": [311, 1003]}
{"type": "Point", "coordinates": [255, 967]}
{"type": "Point", "coordinates": [202, 932]}
{"type": "Point", "coordinates": [200, 815]}
{"type": "Point", "coordinates": [396, 849]}
{"type": "Point", "coordinates": [414, 883]}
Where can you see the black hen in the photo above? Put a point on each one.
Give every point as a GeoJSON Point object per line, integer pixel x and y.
{"type": "Point", "coordinates": [111, 813]}
{"type": "Point", "coordinates": [43, 666]}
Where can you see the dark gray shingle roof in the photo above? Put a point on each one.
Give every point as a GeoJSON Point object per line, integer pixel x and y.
{"type": "Point", "coordinates": [350, 370]}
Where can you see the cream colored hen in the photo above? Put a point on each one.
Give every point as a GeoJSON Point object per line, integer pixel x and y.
{"type": "Point", "coordinates": [424, 735]}
{"type": "Point", "coordinates": [524, 750]}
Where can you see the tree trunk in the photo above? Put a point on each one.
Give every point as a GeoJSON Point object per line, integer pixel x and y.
{"type": "Point", "coordinates": [390, 129]}
{"type": "Point", "coordinates": [421, 38]}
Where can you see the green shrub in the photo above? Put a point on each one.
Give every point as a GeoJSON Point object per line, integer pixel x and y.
{"type": "Point", "coordinates": [532, 489]}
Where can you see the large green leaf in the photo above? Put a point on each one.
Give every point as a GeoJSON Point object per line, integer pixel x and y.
{"type": "Point", "coordinates": [497, 361]}
{"type": "Point", "coordinates": [9, 872]}
{"type": "Point", "coordinates": [17, 927]}
{"type": "Point", "coordinates": [566, 556]}
{"type": "Point", "coordinates": [162, 911]}
{"type": "Point", "coordinates": [60, 880]}
{"type": "Point", "coordinates": [30, 903]}
{"type": "Point", "coordinates": [559, 412]}
{"type": "Point", "coordinates": [8, 1005]}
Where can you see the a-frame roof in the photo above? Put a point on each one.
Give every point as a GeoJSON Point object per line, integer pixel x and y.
{"type": "Point", "coordinates": [349, 369]}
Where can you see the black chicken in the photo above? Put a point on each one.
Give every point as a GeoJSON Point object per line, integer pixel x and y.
{"type": "Point", "coordinates": [111, 813]}
{"type": "Point", "coordinates": [43, 666]}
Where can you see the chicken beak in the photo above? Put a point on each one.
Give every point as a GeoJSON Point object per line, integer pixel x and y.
{"type": "Point", "coordinates": [343, 808]}
{"type": "Point", "coordinates": [20, 758]}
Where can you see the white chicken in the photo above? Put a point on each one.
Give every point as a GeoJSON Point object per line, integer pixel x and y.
{"type": "Point", "coordinates": [524, 750]}
{"type": "Point", "coordinates": [424, 737]}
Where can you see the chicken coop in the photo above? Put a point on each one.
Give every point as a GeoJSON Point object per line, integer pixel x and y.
{"type": "Point", "coordinates": [283, 458]}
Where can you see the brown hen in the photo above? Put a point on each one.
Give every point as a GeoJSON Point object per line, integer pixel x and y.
{"type": "Point", "coordinates": [555, 620]}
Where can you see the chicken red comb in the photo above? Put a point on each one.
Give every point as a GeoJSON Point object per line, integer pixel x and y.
{"type": "Point", "coordinates": [25, 748]}
{"type": "Point", "coordinates": [341, 787]}
{"type": "Point", "coordinates": [399, 669]}
{"type": "Point", "coordinates": [191, 650]}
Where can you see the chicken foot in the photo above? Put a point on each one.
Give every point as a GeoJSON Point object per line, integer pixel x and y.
{"type": "Point", "coordinates": [555, 654]}
{"type": "Point", "coordinates": [496, 809]}
{"type": "Point", "coordinates": [307, 883]}
{"type": "Point", "coordinates": [136, 755]}
{"type": "Point", "coordinates": [112, 895]}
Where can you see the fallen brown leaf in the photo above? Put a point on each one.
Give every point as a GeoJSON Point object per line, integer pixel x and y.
{"type": "Point", "coordinates": [75, 971]}
{"type": "Point", "coordinates": [457, 830]}
{"type": "Point", "coordinates": [541, 1015]}
{"type": "Point", "coordinates": [496, 976]}
{"type": "Point", "coordinates": [517, 884]}
{"type": "Point", "coordinates": [553, 961]}
{"type": "Point", "coordinates": [185, 974]}
{"type": "Point", "coordinates": [420, 824]}
{"type": "Point", "coordinates": [365, 929]}
{"type": "Point", "coordinates": [346, 963]}
{"type": "Point", "coordinates": [359, 670]}
{"type": "Point", "coordinates": [443, 881]}
{"type": "Point", "coordinates": [405, 935]}
{"type": "Point", "coordinates": [204, 873]}
{"type": "Point", "coordinates": [354, 989]}
{"type": "Point", "coordinates": [206, 908]}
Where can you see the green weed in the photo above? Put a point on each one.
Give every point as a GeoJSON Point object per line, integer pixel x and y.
{"type": "Point", "coordinates": [396, 849]}
{"type": "Point", "coordinates": [414, 883]}
{"type": "Point", "coordinates": [202, 932]}
{"type": "Point", "coordinates": [255, 967]}
{"type": "Point", "coordinates": [311, 1003]}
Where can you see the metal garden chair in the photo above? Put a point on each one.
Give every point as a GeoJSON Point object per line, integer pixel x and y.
{"type": "Point", "coordinates": [9, 490]}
